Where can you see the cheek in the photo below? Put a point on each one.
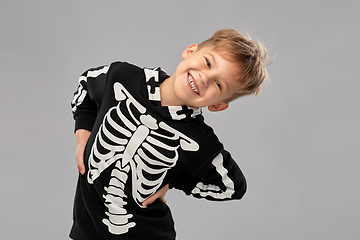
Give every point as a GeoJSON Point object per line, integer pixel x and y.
{"type": "Point", "coordinates": [212, 93]}
{"type": "Point", "coordinates": [193, 63]}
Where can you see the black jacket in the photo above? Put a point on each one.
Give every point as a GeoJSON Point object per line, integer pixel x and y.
{"type": "Point", "coordinates": [135, 148]}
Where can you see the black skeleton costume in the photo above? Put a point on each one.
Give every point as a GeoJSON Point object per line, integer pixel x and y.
{"type": "Point", "coordinates": [135, 148]}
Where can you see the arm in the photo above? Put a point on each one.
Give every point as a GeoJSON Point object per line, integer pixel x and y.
{"type": "Point", "coordinates": [217, 179]}
{"type": "Point", "coordinates": [82, 137]}
{"type": "Point", "coordinates": [85, 104]}
{"type": "Point", "coordinates": [88, 97]}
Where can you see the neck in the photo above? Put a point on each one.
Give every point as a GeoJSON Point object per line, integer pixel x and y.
{"type": "Point", "coordinates": [166, 92]}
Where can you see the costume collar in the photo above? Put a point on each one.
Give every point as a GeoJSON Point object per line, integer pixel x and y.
{"type": "Point", "coordinates": [153, 79]}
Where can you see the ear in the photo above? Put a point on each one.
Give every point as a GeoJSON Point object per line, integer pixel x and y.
{"type": "Point", "coordinates": [192, 48]}
{"type": "Point", "coordinates": [221, 106]}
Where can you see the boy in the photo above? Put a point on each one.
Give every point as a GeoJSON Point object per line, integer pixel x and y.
{"type": "Point", "coordinates": [140, 132]}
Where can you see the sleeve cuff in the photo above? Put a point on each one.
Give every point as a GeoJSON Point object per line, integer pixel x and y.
{"type": "Point", "coordinates": [84, 122]}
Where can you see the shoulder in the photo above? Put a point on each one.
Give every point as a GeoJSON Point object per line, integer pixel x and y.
{"type": "Point", "coordinates": [124, 67]}
{"type": "Point", "coordinates": [124, 73]}
{"type": "Point", "coordinates": [200, 132]}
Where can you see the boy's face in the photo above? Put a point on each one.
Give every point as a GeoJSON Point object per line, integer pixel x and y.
{"type": "Point", "coordinates": [204, 78]}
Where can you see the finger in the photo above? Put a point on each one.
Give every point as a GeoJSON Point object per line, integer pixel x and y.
{"type": "Point", "coordinates": [162, 199]}
{"type": "Point", "coordinates": [149, 201]}
{"type": "Point", "coordinates": [152, 199]}
{"type": "Point", "coordinates": [158, 195]}
{"type": "Point", "coordinates": [81, 168]}
{"type": "Point", "coordinates": [80, 164]}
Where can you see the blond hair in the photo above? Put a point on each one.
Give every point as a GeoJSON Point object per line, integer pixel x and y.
{"type": "Point", "coordinates": [238, 46]}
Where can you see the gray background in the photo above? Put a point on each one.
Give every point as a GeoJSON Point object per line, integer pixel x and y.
{"type": "Point", "coordinates": [297, 143]}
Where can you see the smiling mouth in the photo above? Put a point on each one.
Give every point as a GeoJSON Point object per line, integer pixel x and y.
{"type": "Point", "coordinates": [193, 84]}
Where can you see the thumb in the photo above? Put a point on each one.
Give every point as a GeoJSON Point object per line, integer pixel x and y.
{"type": "Point", "coordinates": [80, 162]}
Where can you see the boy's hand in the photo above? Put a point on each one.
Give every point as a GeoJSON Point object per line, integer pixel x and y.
{"type": "Point", "coordinates": [158, 195]}
{"type": "Point", "coordinates": [82, 137]}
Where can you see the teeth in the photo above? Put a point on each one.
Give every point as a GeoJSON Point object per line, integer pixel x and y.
{"type": "Point", "coordinates": [192, 84]}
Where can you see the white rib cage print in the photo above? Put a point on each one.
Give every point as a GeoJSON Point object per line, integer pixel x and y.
{"type": "Point", "coordinates": [141, 148]}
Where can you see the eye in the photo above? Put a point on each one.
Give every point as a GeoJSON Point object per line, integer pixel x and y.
{"type": "Point", "coordinates": [207, 63]}
{"type": "Point", "coordinates": [218, 84]}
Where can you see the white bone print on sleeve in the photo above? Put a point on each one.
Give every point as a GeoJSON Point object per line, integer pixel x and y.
{"type": "Point", "coordinates": [214, 191]}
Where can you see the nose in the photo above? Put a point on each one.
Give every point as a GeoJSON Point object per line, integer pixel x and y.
{"type": "Point", "coordinates": [204, 78]}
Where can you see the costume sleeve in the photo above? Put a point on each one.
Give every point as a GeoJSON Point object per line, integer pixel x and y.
{"type": "Point", "coordinates": [218, 179]}
{"type": "Point", "coordinates": [88, 96]}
